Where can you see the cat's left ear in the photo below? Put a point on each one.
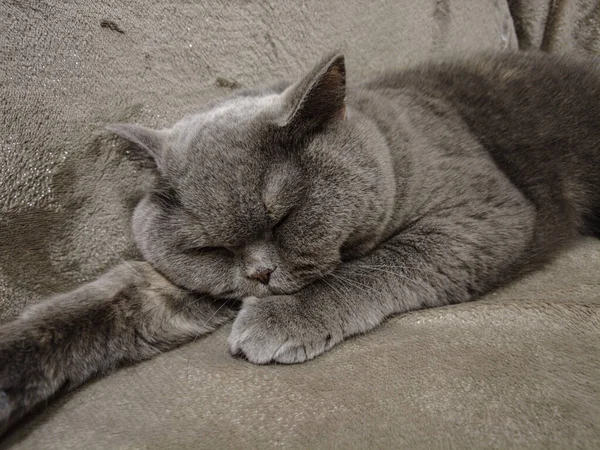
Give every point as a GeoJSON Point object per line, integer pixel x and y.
{"type": "Point", "coordinates": [319, 97]}
{"type": "Point", "coordinates": [151, 141]}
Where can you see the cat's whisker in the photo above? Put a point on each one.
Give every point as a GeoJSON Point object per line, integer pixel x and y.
{"type": "Point", "coordinates": [226, 302]}
{"type": "Point", "coordinates": [131, 267]}
{"type": "Point", "coordinates": [187, 304]}
{"type": "Point", "coordinates": [324, 280]}
{"type": "Point", "coordinates": [178, 311]}
{"type": "Point", "coordinates": [362, 288]}
{"type": "Point", "coordinates": [203, 330]}
{"type": "Point", "coordinates": [367, 269]}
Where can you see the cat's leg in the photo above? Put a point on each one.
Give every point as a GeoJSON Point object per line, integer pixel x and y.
{"type": "Point", "coordinates": [442, 259]}
{"type": "Point", "coordinates": [129, 314]}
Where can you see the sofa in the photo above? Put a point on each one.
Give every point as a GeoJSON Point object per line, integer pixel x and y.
{"type": "Point", "coordinates": [518, 369]}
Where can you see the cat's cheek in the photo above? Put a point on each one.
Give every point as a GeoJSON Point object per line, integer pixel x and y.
{"type": "Point", "coordinates": [296, 272]}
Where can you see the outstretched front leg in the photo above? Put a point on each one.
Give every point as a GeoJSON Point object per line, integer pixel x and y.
{"type": "Point", "coordinates": [129, 314]}
{"type": "Point", "coordinates": [442, 259]}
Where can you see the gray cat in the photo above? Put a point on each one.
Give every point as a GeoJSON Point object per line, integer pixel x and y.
{"type": "Point", "coordinates": [326, 210]}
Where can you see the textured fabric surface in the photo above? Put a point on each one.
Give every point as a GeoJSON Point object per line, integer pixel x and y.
{"type": "Point", "coordinates": [557, 25]}
{"type": "Point", "coordinates": [517, 369]}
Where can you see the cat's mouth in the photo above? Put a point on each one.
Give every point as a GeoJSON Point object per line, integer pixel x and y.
{"type": "Point", "coordinates": [282, 285]}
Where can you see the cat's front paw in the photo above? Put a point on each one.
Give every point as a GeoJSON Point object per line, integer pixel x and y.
{"type": "Point", "coordinates": [281, 329]}
{"type": "Point", "coordinates": [23, 382]}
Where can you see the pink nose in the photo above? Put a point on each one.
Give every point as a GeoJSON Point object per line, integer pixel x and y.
{"type": "Point", "coordinates": [262, 275]}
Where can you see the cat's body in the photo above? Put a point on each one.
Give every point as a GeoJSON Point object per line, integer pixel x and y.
{"type": "Point", "coordinates": [528, 119]}
{"type": "Point", "coordinates": [328, 210]}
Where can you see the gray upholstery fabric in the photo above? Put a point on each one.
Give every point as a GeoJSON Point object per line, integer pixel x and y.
{"type": "Point", "coordinates": [520, 368]}
{"type": "Point", "coordinates": [557, 25]}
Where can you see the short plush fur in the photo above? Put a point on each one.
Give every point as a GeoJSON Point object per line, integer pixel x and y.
{"type": "Point", "coordinates": [326, 210]}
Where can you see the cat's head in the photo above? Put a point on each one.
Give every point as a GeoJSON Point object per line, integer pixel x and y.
{"type": "Point", "coordinates": [265, 191]}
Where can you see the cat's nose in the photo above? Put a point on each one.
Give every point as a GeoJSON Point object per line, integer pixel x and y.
{"type": "Point", "coordinates": [262, 275]}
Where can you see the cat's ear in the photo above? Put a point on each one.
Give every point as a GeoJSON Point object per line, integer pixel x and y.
{"type": "Point", "coordinates": [319, 97]}
{"type": "Point", "coordinates": [149, 140]}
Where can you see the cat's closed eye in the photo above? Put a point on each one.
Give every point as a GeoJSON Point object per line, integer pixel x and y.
{"type": "Point", "coordinates": [279, 222]}
{"type": "Point", "coordinates": [209, 250]}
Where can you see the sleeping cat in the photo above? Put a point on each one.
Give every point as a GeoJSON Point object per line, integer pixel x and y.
{"type": "Point", "coordinates": [325, 210]}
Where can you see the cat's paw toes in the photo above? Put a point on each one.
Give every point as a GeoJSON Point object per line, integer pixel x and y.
{"type": "Point", "coordinates": [276, 330]}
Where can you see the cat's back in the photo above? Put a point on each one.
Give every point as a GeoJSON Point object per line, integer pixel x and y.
{"type": "Point", "coordinates": [538, 115]}
{"type": "Point", "coordinates": [508, 99]}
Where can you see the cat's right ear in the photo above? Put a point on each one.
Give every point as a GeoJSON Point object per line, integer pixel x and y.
{"type": "Point", "coordinates": [319, 97]}
{"type": "Point", "coordinates": [152, 142]}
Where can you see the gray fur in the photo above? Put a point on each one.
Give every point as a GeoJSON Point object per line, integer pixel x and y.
{"type": "Point", "coordinates": [129, 314]}
{"type": "Point", "coordinates": [326, 210]}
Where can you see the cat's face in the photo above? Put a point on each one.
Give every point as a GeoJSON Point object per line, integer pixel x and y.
{"type": "Point", "coordinates": [259, 193]}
